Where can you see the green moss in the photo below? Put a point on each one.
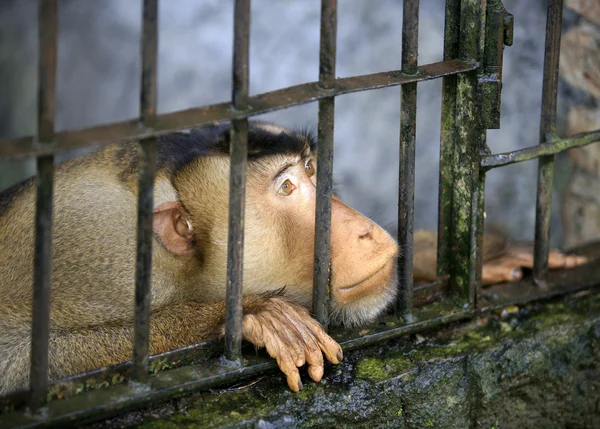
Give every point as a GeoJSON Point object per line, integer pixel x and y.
{"type": "Point", "coordinates": [539, 361]}
{"type": "Point", "coordinates": [382, 368]}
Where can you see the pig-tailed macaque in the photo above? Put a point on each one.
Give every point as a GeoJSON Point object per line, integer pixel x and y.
{"type": "Point", "coordinates": [92, 292]}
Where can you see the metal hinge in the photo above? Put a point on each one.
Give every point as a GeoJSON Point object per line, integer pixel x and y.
{"type": "Point", "coordinates": [498, 33]}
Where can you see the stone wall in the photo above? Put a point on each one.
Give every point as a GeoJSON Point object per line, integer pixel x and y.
{"type": "Point", "coordinates": [580, 69]}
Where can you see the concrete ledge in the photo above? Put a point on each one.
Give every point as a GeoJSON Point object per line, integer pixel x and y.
{"type": "Point", "coordinates": [533, 367]}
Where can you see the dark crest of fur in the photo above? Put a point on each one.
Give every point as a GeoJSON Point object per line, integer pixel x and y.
{"type": "Point", "coordinates": [177, 150]}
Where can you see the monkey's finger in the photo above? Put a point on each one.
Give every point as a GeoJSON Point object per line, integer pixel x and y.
{"type": "Point", "coordinates": [290, 337]}
{"type": "Point", "coordinates": [316, 372]}
{"type": "Point", "coordinates": [312, 352]}
{"type": "Point", "coordinates": [257, 332]}
{"type": "Point", "coordinates": [277, 350]}
{"type": "Point", "coordinates": [491, 274]}
{"type": "Point", "coordinates": [558, 259]}
{"type": "Point", "coordinates": [333, 351]}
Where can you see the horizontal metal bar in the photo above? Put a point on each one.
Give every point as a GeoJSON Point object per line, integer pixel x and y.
{"type": "Point", "coordinates": [258, 104]}
{"type": "Point", "coordinates": [551, 147]}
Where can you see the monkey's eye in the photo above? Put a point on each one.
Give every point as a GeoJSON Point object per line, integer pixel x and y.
{"type": "Point", "coordinates": [286, 188]}
{"type": "Point", "coordinates": [309, 167]}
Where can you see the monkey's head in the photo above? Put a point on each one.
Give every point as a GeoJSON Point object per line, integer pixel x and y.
{"type": "Point", "coordinates": [279, 223]}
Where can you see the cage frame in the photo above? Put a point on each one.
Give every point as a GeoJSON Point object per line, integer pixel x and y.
{"type": "Point", "coordinates": [471, 71]}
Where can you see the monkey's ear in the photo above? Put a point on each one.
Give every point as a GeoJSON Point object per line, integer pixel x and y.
{"type": "Point", "coordinates": [172, 229]}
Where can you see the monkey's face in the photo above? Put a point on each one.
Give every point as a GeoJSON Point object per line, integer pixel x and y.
{"type": "Point", "coordinates": [363, 255]}
{"type": "Point", "coordinates": [280, 232]}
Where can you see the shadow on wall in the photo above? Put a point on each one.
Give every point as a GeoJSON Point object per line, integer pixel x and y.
{"type": "Point", "coordinates": [98, 82]}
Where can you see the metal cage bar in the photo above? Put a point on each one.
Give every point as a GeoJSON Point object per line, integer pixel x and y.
{"type": "Point", "coordinates": [48, 31]}
{"type": "Point", "coordinates": [167, 123]}
{"type": "Point", "coordinates": [408, 132]}
{"type": "Point", "coordinates": [147, 170]}
{"type": "Point", "coordinates": [462, 185]}
{"type": "Point", "coordinates": [322, 262]}
{"type": "Point", "coordinates": [550, 147]}
{"type": "Point", "coordinates": [547, 125]}
{"type": "Point", "coordinates": [238, 150]}
{"type": "Point", "coordinates": [448, 140]}
{"type": "Point", "coordinates": [469, 136]}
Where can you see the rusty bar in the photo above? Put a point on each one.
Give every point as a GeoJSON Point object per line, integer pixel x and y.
{"type": "Point", "coordinates": [476, 236]}
{"type": "Point", "coordinates": [448, 140]}
{"type": "Point", "coordinates": [257, 104]}
{"type": "Point", "coordinates": [552, 146]}
{"type": "Point", "coordinates": [408, 132]}
{"type": "Point", "coordinates": [147, 169]}
{"type": "Point", "coordinates": [143, 271]}
{"type": "Point", "coordinates": [42, 269]}
{"type": "Point", "coordinates": [470, 139]}
{"type": "Point", "coordinates": [238, 149]}
{"type": "Point", "coordinates": [322, 262]}
{"type": "Point", "coordinates": [547, 125]}
{"type": "Point", "coordinates": [146, 172]}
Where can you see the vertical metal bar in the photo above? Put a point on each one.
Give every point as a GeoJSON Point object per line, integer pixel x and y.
{"type": "Point", "coordinates": [408, 131]}
{"type": "Point", "coordinates": [322, 264]}
{"type": "Point", "coordinates": [146, 171]}
{"type": "Point", "coordinates": [47, 34]}
{"type": "Point", "coordinates": [547, 125]}
{"type": "Point", "coordinates": [470, 138]}
{"type": "Point", "coordinates": [238, 150]}
{"type": "Point", "coordinates": [448, 141]}
{"type": "Point", "coordinates": [476, 236]}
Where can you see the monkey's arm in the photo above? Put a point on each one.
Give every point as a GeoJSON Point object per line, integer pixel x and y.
{"type": "Point", "coordinates": [287, 330]}
{"type": "Point", "coordinates": [502, 261]}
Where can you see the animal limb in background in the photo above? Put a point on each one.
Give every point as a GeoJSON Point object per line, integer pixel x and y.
{"type": "Point", "coordinates": [503, 261]}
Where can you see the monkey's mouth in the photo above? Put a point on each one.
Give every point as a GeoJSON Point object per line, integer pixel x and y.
{"type": "Point", "coordinates": [374, 283]}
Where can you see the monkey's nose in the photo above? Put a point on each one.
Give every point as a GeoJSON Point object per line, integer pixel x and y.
{"type": "Point", "coordinates": [365, 230]}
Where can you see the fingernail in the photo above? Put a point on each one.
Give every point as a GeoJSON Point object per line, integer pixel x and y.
{"type": "Point", "coordinates": [340, 355]}
{"type": "Point", "coordinates": [517, 274]}
{"type": "Point", "coordinates": [300, 386]}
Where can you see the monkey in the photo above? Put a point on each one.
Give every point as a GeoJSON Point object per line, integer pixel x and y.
{"type": "Point", "coordinates": [93, 255]}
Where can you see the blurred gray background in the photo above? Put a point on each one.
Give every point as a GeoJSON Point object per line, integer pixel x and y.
{"type": "Point", "coordinates": [98, 82]}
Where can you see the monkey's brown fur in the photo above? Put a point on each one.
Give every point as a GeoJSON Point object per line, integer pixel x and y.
{"type": "Point", "coordinates": [92, 291]}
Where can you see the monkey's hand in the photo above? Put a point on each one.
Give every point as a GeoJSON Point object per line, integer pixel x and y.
{"type": "Point", "coordinates": [508, 267]}
{"type": "Point", "coordinates": [292, 337]}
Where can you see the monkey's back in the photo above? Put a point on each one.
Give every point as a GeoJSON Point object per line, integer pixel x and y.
{"type": "Point", "coordinates": [94, 213]}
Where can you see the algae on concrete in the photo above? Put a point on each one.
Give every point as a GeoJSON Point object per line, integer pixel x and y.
{"type": "Point", "coordinates": [536, 367]}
